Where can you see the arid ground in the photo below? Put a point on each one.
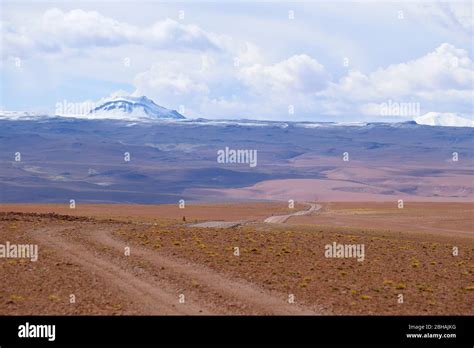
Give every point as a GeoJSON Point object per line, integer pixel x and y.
{"type": "Point", "coordinates": [177, 267]}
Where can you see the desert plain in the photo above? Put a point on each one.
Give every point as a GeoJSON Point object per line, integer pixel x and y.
{"type": "Point", "coordinates": [113, 259]}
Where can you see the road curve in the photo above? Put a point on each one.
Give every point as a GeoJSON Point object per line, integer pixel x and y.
{"type": "Point", "coordinates": [279, 219]}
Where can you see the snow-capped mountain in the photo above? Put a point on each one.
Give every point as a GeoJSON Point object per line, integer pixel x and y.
{"type": "Point", "coordinates": [133, 108]}
{"type": "Point", "coordinates": [18, 115]}
{"type": "Point", "coordinates": [445, 119]}
{"type": "Point", "coordinates": [143, 109]}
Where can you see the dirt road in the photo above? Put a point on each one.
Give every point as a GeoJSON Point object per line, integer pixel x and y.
{"type": "Point", "coordinates": [173, 269]}
{"type": "Point", "coordinates": [279, 219]}
{"type": "Point", "coordinates": [168, 292]}
{"type": "Point", "coordinates": [218, 224]}
{"type": "Point", "coordinates": [271, 219]}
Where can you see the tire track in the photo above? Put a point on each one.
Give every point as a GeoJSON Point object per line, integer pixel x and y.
{"type": "Point", "coordinates": [149, 296]}
{"type": "Point", "coordinates": [241, 291]}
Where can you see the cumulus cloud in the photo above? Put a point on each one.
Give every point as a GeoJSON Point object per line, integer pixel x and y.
{"type": "Point", "coordinates": [446, 75]}
{"type": "Point", "coordinates": [218, 88]}
{"type": "Point", "coordinates": [175, 83]}
{"type": "Point", "coordinates": [78, 29]}
{"type": "Point", "coordinates": [297, 74]}
{"type": "Point", "coordinates": [218, 76]}
{"type": "Point", "coordinates": [439, 80]}
{"type": "Point", "coordinates": [445, 68]}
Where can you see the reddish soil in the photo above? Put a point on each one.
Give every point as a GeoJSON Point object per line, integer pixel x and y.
{"type": "Point", "coordinates": [445, 218]}
{"type": "Point", "coordinates": [333, 189]}
{"type": "Point", "coordinates": [142, 212]}
{"type": "Point", "coordinates": [83, 254]}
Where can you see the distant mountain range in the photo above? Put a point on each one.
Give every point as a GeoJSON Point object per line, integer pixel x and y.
{"type": "Point", "coordinates": [55, 159]}
{"type": "Point", "coordinates": [129, 108]}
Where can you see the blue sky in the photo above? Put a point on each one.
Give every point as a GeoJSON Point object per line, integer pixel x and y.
{"type": "Point", "coordinates": [330, 61]}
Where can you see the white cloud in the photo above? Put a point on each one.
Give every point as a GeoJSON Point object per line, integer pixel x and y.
{"type": "Point", "coordinates": [171, 84]}
{"type": "Point", "coordinates": [445, 68]}
{"type": "Point", "coordinates": [171, 34]}
{"type": "Point", "coordinates": [462, 12]}
{"type": "Point", "coordinates": [445, 75]}
{"type": "Point", "coordinates": [217, 88]}
{"type": "Point", "coordinates": [248, 54]}
{"type": "Point", "coordinates": [439, 80]}
{"type": "Point", "coordinates": [297, 74]}
{"type": "Point", "coordinates": [455, 16]}
{"type": "Point", "coordinates": [78, 29]}
{"type": "Point", "coordinates": [15, 43]}
{"type": "Point", "coordinates": [218, 76]}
